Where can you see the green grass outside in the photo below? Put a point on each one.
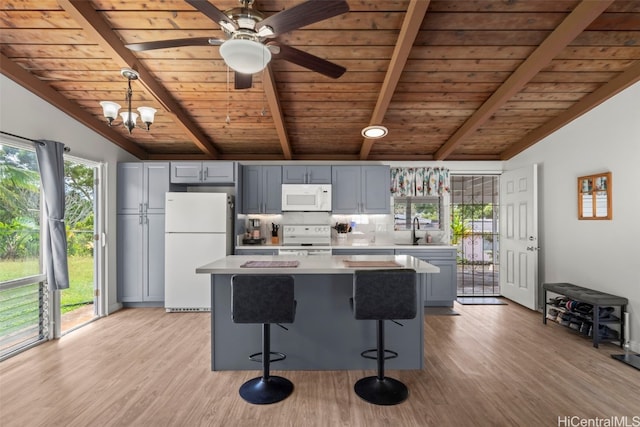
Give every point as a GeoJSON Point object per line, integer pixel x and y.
{"type": "Point", "coordinates": [19, 306]}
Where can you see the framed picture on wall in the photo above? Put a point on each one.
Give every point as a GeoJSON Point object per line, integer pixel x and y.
{"type": "Point", "coordinates": [594, 196]}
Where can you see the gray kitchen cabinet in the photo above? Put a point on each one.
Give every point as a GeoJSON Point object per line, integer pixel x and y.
{"type": "Point", "coordinates": [256, 251]}
{"type": "Point", "coordinates": [311, 174]}
{"type": "Point", "coordinates": [261, 189]}
{"type": "Point", "coordinates": [440, 289]}
{"type": "Point", "coordinates": [140, 258]}
{"type": "Point", "coordinates": [362, 251]}
{"type": "Point", "coordinates": [361, 189]}
{"type": "Point", "coordinates": [141, 187]}
{"type": "Point", "coordinates": [140, 231]}
{"type": "Point", "coordinates": [207, 172]}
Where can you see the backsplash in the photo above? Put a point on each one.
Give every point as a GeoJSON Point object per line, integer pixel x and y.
{"type": "Point", "coordinates": [365, 229]}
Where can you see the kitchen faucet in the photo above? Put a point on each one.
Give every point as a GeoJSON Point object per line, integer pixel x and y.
{"type": "Point", "coordinates": [414, 239]}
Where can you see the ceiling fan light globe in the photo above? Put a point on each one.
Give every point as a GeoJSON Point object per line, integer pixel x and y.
{"type": "Point", "coordinates": [245, 56]}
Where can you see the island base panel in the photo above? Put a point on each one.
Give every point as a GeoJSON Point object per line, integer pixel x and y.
{"type": "Point", "coordinates": [324, 335]}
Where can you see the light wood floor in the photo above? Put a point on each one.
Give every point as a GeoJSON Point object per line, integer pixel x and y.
{"type": "Point", "coordinates": [490, 366]}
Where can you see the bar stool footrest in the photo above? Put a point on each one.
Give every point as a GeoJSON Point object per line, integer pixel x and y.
{"type": "Point", "coordinates": [391, 354]}
{"type": "Point", "coordinates": [257, 357]}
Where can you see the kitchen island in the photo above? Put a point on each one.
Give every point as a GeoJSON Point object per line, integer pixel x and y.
{"type": "Point", "coordinates": [325, 334]}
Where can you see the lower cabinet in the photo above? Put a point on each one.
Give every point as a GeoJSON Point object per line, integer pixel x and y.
{"type": "Point", "coordinates": [266, 251]}
{"type": "Point", "coordinates": [362, 251]}
{"type": "Point", "coordinates": [440, 289]}
{"type": "Point", "coordinates": [141, 258]}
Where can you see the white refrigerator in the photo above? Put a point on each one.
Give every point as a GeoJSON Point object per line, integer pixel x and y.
{"type": "Point", "coordinates": [197, 231]}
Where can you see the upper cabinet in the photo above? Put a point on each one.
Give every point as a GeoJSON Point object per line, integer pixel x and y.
{"type": "Point", "coordinates": [209, 172]}
{"type": "Point", "coordinates": [361, 189]}
{"type": "Point", "coordinates": [141, 187]}
{"type": "Point", "coordinates": [261, 189]}
{"type": "Point", "coordinates": [316, 174]}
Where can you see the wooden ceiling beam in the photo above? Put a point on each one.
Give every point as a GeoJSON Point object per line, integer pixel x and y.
{"type": "Point", "coordinates": [590, 101]}
{"type": "Point", "coordinates": [98, 29]}
{"type": "Point", "coordinates": [273, 100]}
{"type": "Point", "coordinates": [41, 89]}
{"type": "Point", "coordinates": [574, 24]}
{"type": "Point", "coordinates": [410, 28]}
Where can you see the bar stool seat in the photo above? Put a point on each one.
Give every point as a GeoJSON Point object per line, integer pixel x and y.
{"type": "Point", "coordinates": [264, 299]}
{"type": "Point", "coordinates": [383, 295]}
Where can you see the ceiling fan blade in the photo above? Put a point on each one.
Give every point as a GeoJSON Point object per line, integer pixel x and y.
{"type": "Point", "coordinates": [311, 62]}
{"type": "Point", "coordinates": [242, 81]}
{"type": "Point", "coordinates": [163, 44]}
{"type": "Point", "coordinates": [212, 12]}
{"type": "Point", "coordinates": [303, 14]}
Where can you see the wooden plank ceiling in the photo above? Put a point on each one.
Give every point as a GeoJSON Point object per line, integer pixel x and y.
{"type": "Point", "coordinates": [450, 79]}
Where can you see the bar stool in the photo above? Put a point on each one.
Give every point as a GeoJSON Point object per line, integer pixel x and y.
{"type": "Point", "coordinates": [383, 295]}
{"type": "Point", "coordinates": [264, 299]}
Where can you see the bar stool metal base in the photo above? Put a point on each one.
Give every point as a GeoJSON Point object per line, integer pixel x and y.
{"type": "Point", "coordinates": [386, 391]}
{"type": "Point", "coordinates": [261, 391]}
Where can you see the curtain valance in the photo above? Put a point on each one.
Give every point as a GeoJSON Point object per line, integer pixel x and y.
{"type": "Point", "coordinates": [418, 182]}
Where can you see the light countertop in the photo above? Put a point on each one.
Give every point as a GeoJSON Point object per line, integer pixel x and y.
{"type": "Point", "coordinates": [322, 264]}
{"type": "Point", "coordinates": [354, 246]}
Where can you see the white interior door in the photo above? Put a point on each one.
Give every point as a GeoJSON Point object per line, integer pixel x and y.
{"type": "Point", "coordinates": [519, 236]}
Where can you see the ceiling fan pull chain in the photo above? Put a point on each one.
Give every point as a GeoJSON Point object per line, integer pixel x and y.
{"type": "Point", "coordinates": [264, 96]}
{"type": "Point", "coordinates": [228, 119]}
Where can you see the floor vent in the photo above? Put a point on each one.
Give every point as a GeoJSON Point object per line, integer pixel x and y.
{"type": "Point", "coordinates": [187, 310]}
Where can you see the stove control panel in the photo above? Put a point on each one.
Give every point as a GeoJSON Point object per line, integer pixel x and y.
{"type": "Point", "coordinates": [314, 234]}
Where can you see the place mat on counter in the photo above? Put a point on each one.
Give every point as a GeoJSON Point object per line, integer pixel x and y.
{"type": "Point", "coordinates": [353, 263]}
{"type": "Point", "coordinates": [270, 264]}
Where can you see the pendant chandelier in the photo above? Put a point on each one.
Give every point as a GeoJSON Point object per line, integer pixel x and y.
{"type": "Point", "coordinates": [110, 109]}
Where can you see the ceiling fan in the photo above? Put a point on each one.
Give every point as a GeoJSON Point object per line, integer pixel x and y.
{"type": "Point", "coordinates": [248, 48]}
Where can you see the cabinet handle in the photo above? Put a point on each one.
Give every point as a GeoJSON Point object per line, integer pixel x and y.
{"type": "Point", "coordinates": [146, 208]}
{"type": "Point", "coordinates": [200, 175]}
{"type": "Point", "coordinates": [206, 174]}
{"type": "Point", "coordinates": [140, 219]}
{"type": "Point", "coordinates": [140, 208]}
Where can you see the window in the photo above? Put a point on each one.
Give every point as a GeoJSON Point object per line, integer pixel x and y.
{"type": "Point", "coordinates": [428, 210]}
{"type": "Point", "coordinates": [23, 298]}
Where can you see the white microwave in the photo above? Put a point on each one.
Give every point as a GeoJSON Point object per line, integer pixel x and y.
{"type": "Point", "coordinates": [306, 197]}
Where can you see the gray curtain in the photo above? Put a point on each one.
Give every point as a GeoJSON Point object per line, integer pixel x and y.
{"type": "Point", "coordinates": [51, 165]}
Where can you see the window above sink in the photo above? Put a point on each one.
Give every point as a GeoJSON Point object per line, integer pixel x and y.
{"type": "Point", "coordinates": [428, 209]}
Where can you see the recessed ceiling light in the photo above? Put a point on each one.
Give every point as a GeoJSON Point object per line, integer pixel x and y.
{"type": "Point", "coordinates": [374, 131]}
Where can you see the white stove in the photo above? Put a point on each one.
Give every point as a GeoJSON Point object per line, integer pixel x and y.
{"type": "Point", "coordinates": [306, 235]}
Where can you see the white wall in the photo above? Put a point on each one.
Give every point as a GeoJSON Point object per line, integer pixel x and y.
{"type": "Point", "coordinates": [601, 255]}
{"type": "Point", "coordinates": [22, 113]}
